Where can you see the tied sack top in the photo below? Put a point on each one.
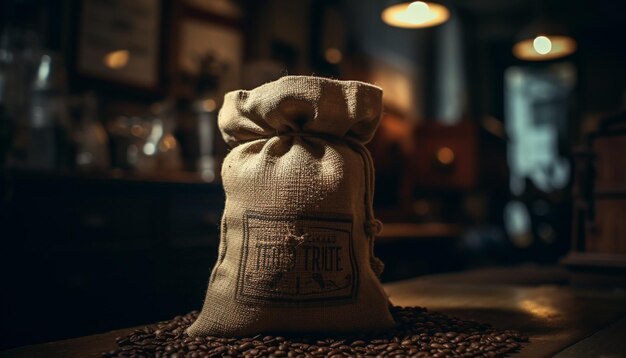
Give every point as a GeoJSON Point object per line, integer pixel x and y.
{"type": "Point", "coordinates": [302, 104]}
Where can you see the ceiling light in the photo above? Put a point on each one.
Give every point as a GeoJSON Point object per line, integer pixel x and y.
{"type": "Point", "coordinates": [544, 47]}
{"type": "Point", "coordinates": [416, 14]}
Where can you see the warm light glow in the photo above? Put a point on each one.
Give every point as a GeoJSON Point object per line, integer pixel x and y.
{"type": "Point", "coordinates": [538, 309]}
{"type": "Point", "coordinates": [333, 55]}
{"type": "Point", "coordinates": [542, 45]}
{"type": "Point", "coordinates": [136, 130]}
{"type": "Point", "coordinates": [445, 155]}
{"type": "Point", "coordinates": [544, 48]}
{"type": "Point", "coordinates": [168, 143]}
{"type": "Point", "coordinates": [117, 59]}
{"type": "Point", "coordinates": [415, 15]}
{"type": "Point", "coordinates": [209, 105]}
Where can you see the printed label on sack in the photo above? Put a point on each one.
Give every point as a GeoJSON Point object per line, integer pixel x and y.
{"type": "Point", "coordinates": [298, 260]}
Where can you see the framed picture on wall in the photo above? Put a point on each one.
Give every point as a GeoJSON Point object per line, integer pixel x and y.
{"type": "Point", "coordinates": [119, 42]}
{"type": "Point", "coordinates": [204, 33]}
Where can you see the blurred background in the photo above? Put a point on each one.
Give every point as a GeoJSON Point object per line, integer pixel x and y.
{"type": "Point", "coordinates": [502, 141]}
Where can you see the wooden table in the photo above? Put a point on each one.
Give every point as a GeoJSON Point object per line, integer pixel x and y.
{"type": "Point", "coordinates": [560, 320]}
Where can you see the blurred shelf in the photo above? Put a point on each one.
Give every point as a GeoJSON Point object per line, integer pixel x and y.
{"type": "Point", "coordinates": [591, 269]}
{"type": "Point", "coordinates": [174, 177]}
{"type": "Point", "coordinates": [404, 231]}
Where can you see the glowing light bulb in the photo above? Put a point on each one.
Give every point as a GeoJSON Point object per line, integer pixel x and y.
{"type": "Point", "coordinates": [542, 45]}
{"type": "Point", "coordinates": [416, 14]}
{"type": "Point", "coordinates": [543, 48]}
{"type": "Point", "coordinates": [419, 11]}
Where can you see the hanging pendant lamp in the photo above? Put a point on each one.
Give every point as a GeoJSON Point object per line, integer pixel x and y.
{"type": "Point", "coordinates": [416, 14]}
{"type": "Point", "coordinates": [543, 40]}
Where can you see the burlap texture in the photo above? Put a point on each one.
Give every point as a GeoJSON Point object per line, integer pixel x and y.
{"type": "Point", "coordinates": [296, 246]}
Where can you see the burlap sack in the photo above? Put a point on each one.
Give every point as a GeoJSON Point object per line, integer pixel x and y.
{"type": "Point", "coordinates": [296, 248]}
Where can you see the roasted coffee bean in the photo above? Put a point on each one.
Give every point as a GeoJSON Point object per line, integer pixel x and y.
{"type": "Point", "coordinates": [381, 347]}
{"type": "Point", "coordinates": [323, 350]}
{"type": "Point", "coordinates": [245, 346]}
{"type": "Point", "coordinates": [336, 344]}
{"type": "Point", "coordinates": [418, 333]}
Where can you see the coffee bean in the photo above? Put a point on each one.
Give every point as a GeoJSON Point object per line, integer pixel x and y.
{"type": "Point", "coordinates": [381, 347]}
{"type": "Point", "coordinates": [392, 346]}
{"type": "Point", "coordinates": [344, 348]}
{"type": "Point", "coordinates": [323, 350]}
{"type": "Point", "coordinates": [418, 333]}
{"type": "Point", "coordinates": [336, 344]}
{"type": "Point", "coordinates": [245, 346]}
{"type": "Point", "coordinates": [221, 349]}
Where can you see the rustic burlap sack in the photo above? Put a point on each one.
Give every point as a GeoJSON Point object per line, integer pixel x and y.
{"type": "Point", "coordinates": [296, 248]}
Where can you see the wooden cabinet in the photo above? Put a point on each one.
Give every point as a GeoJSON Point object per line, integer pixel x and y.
{"type": "Point", "coordinates": [598, 255]}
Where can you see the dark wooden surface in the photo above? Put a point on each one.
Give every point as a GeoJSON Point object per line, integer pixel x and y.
{"type": "Point", "coordinates": [608, 342]}
{"type": "Point", "coordinates": [560, 320]}
{"type": "Point", "coordinates": [553, 316]}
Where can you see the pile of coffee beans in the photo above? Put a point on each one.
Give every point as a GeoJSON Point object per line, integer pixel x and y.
{"type": "Point", "coordinates": [419, 333]}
